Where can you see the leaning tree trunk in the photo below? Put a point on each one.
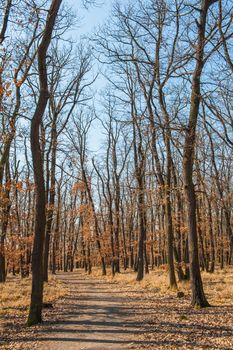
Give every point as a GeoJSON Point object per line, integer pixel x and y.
{"type": "Point", "coordinates": [35, 311]}
{"type": "Point", "coordinates": [198, 296]}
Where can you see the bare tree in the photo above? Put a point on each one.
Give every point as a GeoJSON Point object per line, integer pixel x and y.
{"type": "Point", "coordinates": [198, 296]}
{"type": "Point", "coordinates": [35, 316]}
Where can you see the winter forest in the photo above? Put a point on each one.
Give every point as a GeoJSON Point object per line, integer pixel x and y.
{"type": "Point", "coordinates": [116, 175]}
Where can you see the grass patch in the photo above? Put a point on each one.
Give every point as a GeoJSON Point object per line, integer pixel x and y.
{"type": "Point", "coordinates": [218, 286]}
{"type": "Point", "coordinates": [15, 295]}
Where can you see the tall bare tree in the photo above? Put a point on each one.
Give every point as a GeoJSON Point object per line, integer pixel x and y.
{"type": "Point", "coordinates": [35, 312]}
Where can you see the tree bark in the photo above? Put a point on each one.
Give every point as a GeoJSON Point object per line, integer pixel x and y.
{"type": "Point", "coordinates": [51, 201]}
{"type": "Point", "coordinates": [35, 312]}
{"type": "Point", "coordinates": [198, 296]}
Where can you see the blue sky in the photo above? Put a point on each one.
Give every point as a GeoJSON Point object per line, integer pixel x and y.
{"type": "Point", "coordinates": [91, 18]}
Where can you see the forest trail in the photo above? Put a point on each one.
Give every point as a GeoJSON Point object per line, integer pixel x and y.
{"type": "Point", "coordinates": [95, 315]}
{"type": "Point", "coordinates": [100, 313]}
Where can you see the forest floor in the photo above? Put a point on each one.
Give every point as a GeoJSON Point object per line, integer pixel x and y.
{"type": "Point", "coordinates": [104, 313]}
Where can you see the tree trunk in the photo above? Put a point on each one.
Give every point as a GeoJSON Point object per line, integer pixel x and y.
{"type": "Point", "coordinates": [51, 201]}
{"type": "Point", "coordinates": [35, 312]}
{"type": "Point", "coordinates": [198, 296]}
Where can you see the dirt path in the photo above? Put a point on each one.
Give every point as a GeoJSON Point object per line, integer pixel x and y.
{"type": "Point", "coordinates": [101, 314]}
{"type": "Point", "coordinates": [96, 315]}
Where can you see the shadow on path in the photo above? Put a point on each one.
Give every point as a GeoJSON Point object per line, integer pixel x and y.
{"type": "Point", "coordinates": [99, 315]}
